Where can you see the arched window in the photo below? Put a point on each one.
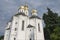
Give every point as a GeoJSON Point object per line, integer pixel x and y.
{"type": "Point", "coordinates": [14, 38]}
{"type": "Point", "coordinates": [15, 29]}
{"type": "Point", "coordinates": [22, 25]}
{"type": "Point", "coordinates": [38, 27]}
{"type": "Point", "coordinates": [30, 38]}
{"type": "Point", "coordinates": [16, 23]}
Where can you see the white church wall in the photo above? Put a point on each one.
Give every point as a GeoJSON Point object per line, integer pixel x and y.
{"type": "Point", "coordinates": [29, 33]}
{"type": "Point", "coordinates": [12, 34]}
{"type": "Point", "coordinates": [32, 21]}
{"type": "Point", "coordinates": [7, 31]}
{"type": "Point", "coordinates": [20, 32]}
{"type": "Point", "coordinates": [35, 22]}
{"type": "Point", "coordinates": [6, 34]}
{"type": "Point", "coordinates": [40, 34]}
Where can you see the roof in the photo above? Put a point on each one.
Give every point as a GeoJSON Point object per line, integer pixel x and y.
{"type": "Point", "coordinates": [35, 17]}
{"type": "Point", "coordinates": [7, 28]}
{"type": "Point", "coordinates": [21, 13]}
{"type": "Point", "coordinates": [11, 19]}
{"type": "Point", "coordinates": [29, 26]}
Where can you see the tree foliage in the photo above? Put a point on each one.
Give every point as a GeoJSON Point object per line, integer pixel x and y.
{"type": "Point", "coordinates": [2, 37]}
{"type": "Point", "coordinates": [52, 25]}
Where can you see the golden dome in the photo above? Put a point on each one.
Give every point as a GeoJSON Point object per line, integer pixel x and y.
{"type": "Point", "coordinates": [21, 7]}
{"type": "Point", "coordinates": [34, 11]}
{"type": "Point", "coordinates": [26, 7]}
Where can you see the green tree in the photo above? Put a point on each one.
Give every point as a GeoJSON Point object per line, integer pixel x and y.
{"type": "Point", "coordinates": [2, 37]}
{"type": "Point", "coordinates": [56, 34]}
{"type": "Point", "coordinates": [52, 23]}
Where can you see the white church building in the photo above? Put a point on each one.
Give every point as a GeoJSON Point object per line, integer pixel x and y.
{"type": "Point", "coordinates": [24, 27]}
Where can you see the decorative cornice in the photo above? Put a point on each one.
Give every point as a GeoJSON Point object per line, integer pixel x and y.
{"type": "Point", "coordinates": [34, 17]}
{"type": "Point", "coordinates": [20, 14]}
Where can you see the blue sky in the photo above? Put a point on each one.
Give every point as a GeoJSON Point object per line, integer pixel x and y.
{"type": "Point", "coordinates": [10, 7]}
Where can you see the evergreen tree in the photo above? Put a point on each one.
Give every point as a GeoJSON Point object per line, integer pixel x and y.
{"type": "Point", "coordinates": [52, 25]}
{"type": "Point", "coordinates": [2, 37]}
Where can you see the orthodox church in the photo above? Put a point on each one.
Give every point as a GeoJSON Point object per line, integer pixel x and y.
{"type": "Point", "coordinates": [24, 27]}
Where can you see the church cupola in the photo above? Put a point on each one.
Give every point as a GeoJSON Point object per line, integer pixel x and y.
{"type": "Point", "coordinates": [26, 9]}
{"type": "Point", "coordinates": [34, 12]}
{"type": "Point", "coordinates": [21, 9]}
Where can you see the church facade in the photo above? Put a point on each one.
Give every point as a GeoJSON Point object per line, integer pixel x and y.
{"type": "Point", "coordinates": [24, 27]}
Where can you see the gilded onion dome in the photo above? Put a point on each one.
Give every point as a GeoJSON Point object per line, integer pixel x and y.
{"type": "Point", "coordinates": [34, 11]}
{"type": "Point", "coordinates": [26, 7]}
{"type": "Point", "coordinates": [21, 7]}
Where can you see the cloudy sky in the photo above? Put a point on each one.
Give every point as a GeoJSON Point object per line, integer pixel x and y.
{"type": "Point", "coordinates": [10, 7]}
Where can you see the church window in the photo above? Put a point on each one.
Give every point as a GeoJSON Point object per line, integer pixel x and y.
{"type": "Point", "coordinates": [30, 38]}
{"type": "Point", "coordinates": [22, 25]}
{"type": "Point", "coordinates": [15, 29]}
{"type": "Point", "coordinates": [38, 27]}
{"type": "Point", "coordinates": [16, 23]}
{"type": "Point", "coordinates": [14, 38]}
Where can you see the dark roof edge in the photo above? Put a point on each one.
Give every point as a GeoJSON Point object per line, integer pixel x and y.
{"type": "Point", "coordinates": [21, 13]}
{"type": "Point", "coordinates": [34, 17]}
